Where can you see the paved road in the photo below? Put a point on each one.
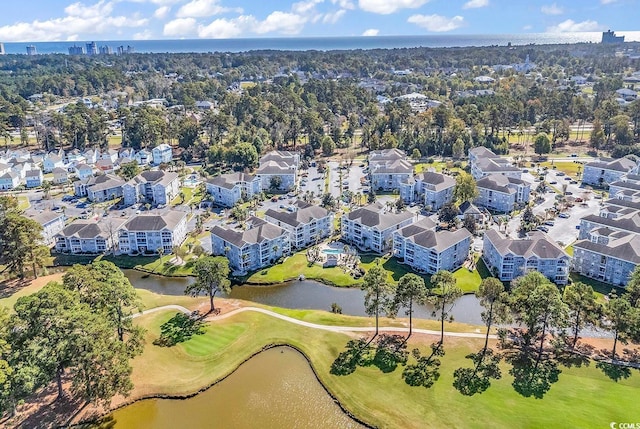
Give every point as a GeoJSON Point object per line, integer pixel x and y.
{"type": "Point", "coordinates": [329, 328]}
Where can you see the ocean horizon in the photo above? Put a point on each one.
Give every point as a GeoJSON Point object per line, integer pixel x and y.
{"type": "Point", "coordinates": [323, 43]}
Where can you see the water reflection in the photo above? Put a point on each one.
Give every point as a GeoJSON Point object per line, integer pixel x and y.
{"type": "Point", "coordinates": [275, 389]}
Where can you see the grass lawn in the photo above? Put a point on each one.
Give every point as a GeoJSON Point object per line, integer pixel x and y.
{"type": "Point", "coordinates": [582, 397]}
{"type": "Point", "coordinates": [439, 166]}
{"type": "Point", "coordinates": [151, 264]}
{"type": "Point", "coordinates": [295, 265]}
{"type": "Point", "coordinates": [598, 287]}
{"type": "Point", "coordinates": [23, 203]}
{"type": "Point", "coordinates": [568, 167]}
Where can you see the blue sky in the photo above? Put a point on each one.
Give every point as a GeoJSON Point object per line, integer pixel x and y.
{"type": "Point", "coordinates": [49, 20]}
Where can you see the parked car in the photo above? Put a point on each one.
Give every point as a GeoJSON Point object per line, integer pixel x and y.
{"type": "Point", "coordinates": [549, 223]}
{"type": "Point", "coordinates": [567, 178]}
{"type": "Point", "coordinates": [564, 215]}
{"type": "Point", "coordinates": [543, 229]}
{"type": "Point", "coordinates": [577, 226]}
{"type": "Point", "coordinates": [574, 155]}
{"type": "Point", "coordinates": [553, 183]}
{"type": "Point", "coordinates": [560, 173]}
{"type": "Point", "coordinates": [573, 182]}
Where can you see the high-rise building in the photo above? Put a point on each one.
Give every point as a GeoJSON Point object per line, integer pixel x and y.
{"type": "Point", "coordinates": [76, 50]}
{"type": "Point", "coordinates": [31, 50]}
{"type": "Point", "coordinates": [2, 52]}
{"type": "Point", "coordinates": [92, 48]}
{"type": "Point", "coordinates": [106, 50]}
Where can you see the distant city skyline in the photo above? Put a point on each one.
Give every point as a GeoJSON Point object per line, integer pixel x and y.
{"type": "Point", "coordinates": [66, 20]}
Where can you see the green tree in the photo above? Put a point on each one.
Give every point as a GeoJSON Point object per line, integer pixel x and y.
{"type": "Point", "coordinates": [583, 307]}
{"type": "Point", "coordinates": [469, 222]}
{"type": "Point", "coordinates": [129, 170]}
{"type": "Point", "coordinates": [212, 276]}
{"type": "Point", "coordinates": [377, 293]}
{"type": "Point", "coordinates": [465, 189]}
{"type": "Point", "coordinates": [494, 300]}
{"type": "Point", "coordinates": [445, 293]}
{"type": "Point", "coordinates": [448, 214]}
{"type": "Point", "coordinates": [46, 189]}
{"type": "Point", "coordinates": [275, 182]}
{"type": "Point", "coordinates": [528, 221]}
{"type": "Point", "coordinates": [596, 139]}
{"type": "Point", "coordinates": [542, 144]}
{"type": "Point", "coordinates": [243, 155]}
{"type": "Point", "coordinates": [537, 305]}
{"type": "Point", "coordinates": [411, 289]}
{"type": "Point", "coordinates": [620, 318]}
{"type": "Point", "coordinates": [457, 149]}
{"type": "Point", "coordinates": [328, 145]}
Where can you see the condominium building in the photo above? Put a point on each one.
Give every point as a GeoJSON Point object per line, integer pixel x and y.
{"type": "Point", "coordinates": [282, 164]}
{"type": "Point", "coordinates": [257, 246]}
{"type": "Point", "coordinates": [162, 154]}
{"type": "Point", "coordinates": [372, 227]}
{"type": "Point", "coordinates": [606, 171]}
{"type": "Point", "coordinates": [509, 259]}
{"type": "Point", "coordinates": [152, 186]}
{"type": "Point", "coordinates": [306, 223]}
{"type": "Point", "coordinates": [426, 250]}
{"type": "Point", "coordinates": [228, 189]}
{"type": "Point", "coordinates": [88, 236]}
{"type": "Point", "coordinates": [52, 224]}
{"type": "Point", "coordinates": [435, 189]}
{"type": "Point", "coordinates": [100, 188]}
{"type": "Point", "coordinates": [146, 233]}
{"type": "Point", "coordinates": [484, 162]}
{"type": "Point", "coordinates": [502, 193]}
{"type": "Point", "coordinates": [389, 169]}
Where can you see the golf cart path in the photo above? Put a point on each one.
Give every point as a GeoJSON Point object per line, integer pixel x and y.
{"type": "Point", "coordinates": [313, 325]}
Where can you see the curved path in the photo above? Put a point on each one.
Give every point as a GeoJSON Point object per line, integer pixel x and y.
{"type": "Point", "coordinates": [313, 325]}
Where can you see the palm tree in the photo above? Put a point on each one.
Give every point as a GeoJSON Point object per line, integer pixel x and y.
{"type": "Point", "coordinates": [160, 251]}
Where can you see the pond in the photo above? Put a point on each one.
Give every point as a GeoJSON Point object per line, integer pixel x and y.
{"type": "Point", "coordinates": [275, 389]}
{"type": "Point", "coordinates": [306, 294]}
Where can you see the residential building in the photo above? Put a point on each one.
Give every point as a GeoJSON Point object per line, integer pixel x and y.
{"type": "Point", "coordinates": [257, 246]}
{"type": "Point", "coordinates": [388, 169]}
{"type": "Point", "coordinates": [426, 250]}
{"type": "Point", "coordinates": [162, 154]}
{"type": "Point", "coordinates": [502, 193]}
{"type": "Point", "coordinates": [83, 171]}
{"type": "Point", "coordinates": [626, 221]}
{"type": "Point", "coordinates": [100, 188]}
{"type": "Point", "coordinates": [436, 189]}
{"type": "Point", "coordinates": [9, 180]}
{"type": "Point", "coordinates": [143, 157]}
{"type": "Point", "coordinates": [88, 236]}
{"type": "Point", "coordinates": [105, 165]}
{"type": "Point", "coordinates": [152, 186]}
{"type": "Point", "coordinates": [146, 233]}
{"type": "Point", "coordinates": [468, 209]}
{"type": "Point", "coordinates": [607, 255]}
{"type": "Point", "coordinates": [60, 176]}
{"type": "Point", "coordinates": [282, 164]}
{"type": "Point", "coordinates": [509, 259]}
{"type": "Point", "coordinates": [306, 223]}
{"type": "Point", "coordinates": [372, 227]}
{"type": "Point", "coordinates": [227, 189]}
{"type": "Point", "coordinates": [33, 178]}
{"type": "Point", "coordinates": [52, 224]}
{"type": "Point", "coordinates": [484, 162]}
{"type": "Point", "coordinates": [605, 171]}
{"type": "Point", "coordinates": [51, 162]}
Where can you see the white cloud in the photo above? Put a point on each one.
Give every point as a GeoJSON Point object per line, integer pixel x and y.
{"type": "Point", "coordinates": [371, 32]}
{"type": "Point", "coordinates": [608, 1]}
{"type": "Point", "coordinates": [474, 4]}
{"type": "Point", "coordinates": [227, 28]}
{"type": "Point", "coordinates": [143, 35]}
{"type": "Point", "coordinates": [527, 27]}
{"type": "Point", "coordinates": [552, 9]}
{"type": "Point", "coordinates": [80, 19]}
{"type": "Point", "coordinates": [385, 7]}
{"type": "Point", "coordinates": [333, 17]}
{"type": "Point", "coordinates": [202, 9]}
{"type": "Point", "coordinates": [180, 27]}
{"type": "Point", "coordinates": [570, 26]}
{"type": "Point", "coordinates": [281, 22]}
{"type": "Point", "coordinates": [305, 7]}
{"type": "Point", "coordinates": [344, 4]}
{"type": "Point", "coordinates": [161, 12]}
{"type": "Point", "coordinates": [437, 23]}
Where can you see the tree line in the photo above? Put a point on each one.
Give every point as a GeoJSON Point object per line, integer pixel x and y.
{"type": "Point", "coordinates": [539, 328]}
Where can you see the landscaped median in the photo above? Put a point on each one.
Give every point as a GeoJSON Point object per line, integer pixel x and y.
{"type": "Point", "coordinates": [368, 393]}
{"type": "Point", "coordinates": [297, 265]}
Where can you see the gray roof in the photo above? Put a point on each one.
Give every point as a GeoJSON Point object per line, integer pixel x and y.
{"type": "Point", "coordinates": [626, 185]}
{"type": "Point", "coordinates": [386, 155]}
{"type": "Point", "coordinates": [88, 228]}
{"type": "Point", "coordinates": [398, 166]}
{"type": "Point", "coordinates": [33, 173]}
{"type": "Point", "coordinates": [495, 165]}
{"type": "Point", "coordinates": [59, 170]}
{"type": "Point", "coordinates": [439, 180]}
{"type": "Point", "coordinates": [303, 214]}
{"type": "Point", "coordinates": [482, 152]}
{"type": "Point", "coordinates": [440, 240]}
{"type": "Point", "coordinates": [374, 215]}
{"type": "Point", "coordinates": [10, 175]}
{"type": "Point", "coordinates": [499, 183]}
{"type": "Point", "coordinates": [155, 177]}
{"type": "Point", "coordinates": [629, 222]}
{"type": "Point", "coordinates": [468, 208]}
{"type": "Point", "coordinates": [280, 156]}
{"type": "Point", "coordinates": [230, 180]}
{"type": "Point", "coordinates": [102, 182]}
{"type": "Point", "coordinates": [258, 231]}
{"type": "Point", "coordinates": [623, 246]}
{"type": "Point", "coordinates": [46, 216]}
{"type": "Point", "coordinates": [622, 203]}
{"type": "Point", "coordinates": [538, 244]}
{"type": "Point", "coordinates": [422, 225]}
{"type": "Point", "coordinates": [621, 164]}
{"type": "Point", "coordinates": [154, 222]}
{"type": "Point", "coordinates": [275, 167]}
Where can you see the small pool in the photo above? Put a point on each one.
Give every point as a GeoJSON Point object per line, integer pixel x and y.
{"type": "Point", "coordinates": [190, 182]}
{"type": "Point", "coordinates": [332, 251]}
